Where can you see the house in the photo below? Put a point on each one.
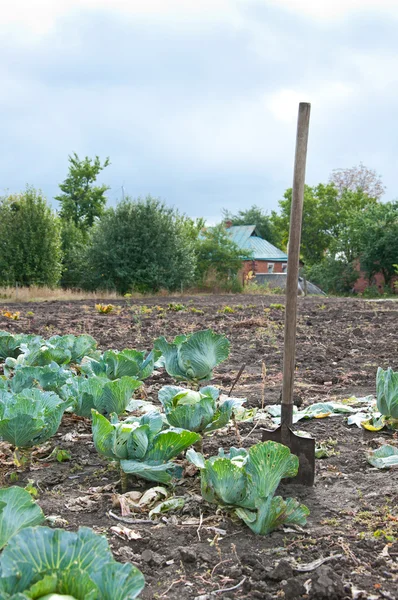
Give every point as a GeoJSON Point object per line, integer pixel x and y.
{"type": "Point", "coordinates": [265, 259]}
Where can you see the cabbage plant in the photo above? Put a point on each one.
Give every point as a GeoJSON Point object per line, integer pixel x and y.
{"type": "Point", "coordinates": [53, 564]}
{"type": "Point", "coordinates": [197, 411]}
{"type": "Point", "coordinates": [29, 418]}
{"type": "Point", "coordinates": [387, 392]}
{"type": "Point", "coordinates": [10, 344]}
{"type": "Point", "coordinates": [193, 357]}
{"type": "Point", "coordinates": [49, 378]}
{"type": "Point", "coordinates": [246, 480]}
{"type": "Point", "coordinates": [17, 510]}
{"type": "Point", "coordinates": [98, 392]}
{"type": "Point", "coordinates": [114, 364]}
{"type": "Point", "coordinates": [140, 445]}
{"type": "Point", "coordinates": [61, 349]}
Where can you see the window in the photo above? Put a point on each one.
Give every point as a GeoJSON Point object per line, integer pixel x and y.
{"type": "Point", "coordinates": [270, 267]}
{"type": "Point", "coordinates": [284, 267]}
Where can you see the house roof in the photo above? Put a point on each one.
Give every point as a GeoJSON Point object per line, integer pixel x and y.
{"type": "Point", "coordinates": [247, 238]}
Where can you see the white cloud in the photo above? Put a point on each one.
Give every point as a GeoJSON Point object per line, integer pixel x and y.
{"type": "Point", "coordinates": [336, 9]}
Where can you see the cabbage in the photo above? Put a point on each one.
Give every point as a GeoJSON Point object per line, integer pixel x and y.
{"type": "Point", "coordinates": [40, 562]}
{"type": "Point", "coordinates": [140, 445]}
{"type": "Point", "coordinates": [29, 418]}
{"type": "Point", "coordinates": [50, 378]}
{"type": "Point", "coordinates": [247, 480]}
{"type": "Point", "coordinates": [97, 392]}
{"type": "Point", "coordinates": [114, 364]}
{"type": "Point", "coordinates": [193, 357]}
{"type": "Point", "coordinates": [387, 392]}
{"type": "Point", "coordinates": [196, 411]}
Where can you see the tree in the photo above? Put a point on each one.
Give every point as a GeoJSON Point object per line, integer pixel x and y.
{"type": "Point", "coordinates": [215, 251]}
{"type": "Point", "coordinates": [325, 214]}
{"type": "Point", "coordinates": [333, 275]}
{"type": "Point", "coordinates": [30, 240]}
{"type": "Point", "coordinates": [254, 216]}
{"type": "Point", "coordinates": [75, 243]}
{"type": "Point", "coordinates": [358, 178]}
{"type": "Point", "coordinates": [372, 236]}
{"type": "Point", "coordinates": [140, 245]}
{"type": "Point", "coordinates": [81, 201]}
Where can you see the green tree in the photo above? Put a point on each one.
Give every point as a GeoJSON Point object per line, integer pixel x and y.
{"type": "Point", "coordinates": [372, 236]}
{"type": "Point", "coordinates": [325, 214]}
{"type": "Point", "coordinates": [254, 216]}
{"type": "Point", "coordinates": [215, 251]}
{"type": "Point", "coordinates": [75, 243]}
{"type": "Point", "coordinates": [30, 240]}
{"type": "Point", "coordinates": [140, 245]}
{"type": "Point", "coordinates": [82, 201]}
{"type": "Point", "coordinates": [333, 275]}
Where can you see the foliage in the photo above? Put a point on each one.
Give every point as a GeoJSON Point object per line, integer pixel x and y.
{"type": "Point", "coordinates": [140, 245]}
{"type": "Point", "coordinates": [75, 242]}
{"type": "Point", "coordinates": [10, 344]}
{"type": "Point", "coordinates": [387, 392]}
{"type": "Point", "coordinates": [358, 178]}
{"type": "Point", "coordinates": [372, 235]}
{"type": "Point", "coordinates": [140, 445]}
{"type": "Point", "coordinates": [30, 246]}
{"type": "Point", "coordinates": [105, 396]}
{"type": "Point", "coordinates": [197, 411]}
{"type": "Point", "coordinates": [81, 201]}
{"type": "Point", "coordinates": [29, 418]}
{"type": "Point", "coordinates": [49, 378]}
{"type": "Point", "coordinates": [216, 252]}
{"type": "Point", "coordinates": [60, 349]}
{"type": "Point", "coordinates": [193, 357]}
{"type": "Point", "coordinates": [325, 214]}
{"type": "Point", "coordinates": [104, 309]}
{"type": "Point", "coordinates": [247, 481]}
{"type": "Point", "coordinates": [17, 510]}
{"type": "Point", "coordinates": [254, 216]}
{"type": "Point", "coordinates": [40, 562]}
{"type": "Point", "coordinates": [333, 275]}
{"type": "Point", "coordinates": [114, 364]}
{"type": "Point", "coordinates": [384, 457]}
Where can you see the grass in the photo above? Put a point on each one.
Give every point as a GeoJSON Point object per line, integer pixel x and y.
{"type": "Point", "coordinates": [40, 294]}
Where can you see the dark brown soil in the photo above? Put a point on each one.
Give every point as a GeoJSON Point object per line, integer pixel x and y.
{"type": "Point", "coordinates": [354, 512]}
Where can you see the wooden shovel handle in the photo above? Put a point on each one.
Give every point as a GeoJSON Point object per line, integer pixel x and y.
{"type": "Point", "coordinates": [296, 216]}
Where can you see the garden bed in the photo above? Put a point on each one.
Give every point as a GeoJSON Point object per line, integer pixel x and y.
{"type": "Point", "coordinates": [198, 550]}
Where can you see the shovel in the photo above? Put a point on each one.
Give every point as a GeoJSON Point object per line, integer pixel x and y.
{"type": "Point", "coordinates": [304, 448]}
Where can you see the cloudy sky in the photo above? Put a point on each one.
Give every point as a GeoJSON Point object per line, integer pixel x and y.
{"type": "Point", "coordinates": [195, 101]}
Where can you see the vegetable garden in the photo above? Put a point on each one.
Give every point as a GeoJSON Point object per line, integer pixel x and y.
{"type": "Point", "coordinates": [143, 424]}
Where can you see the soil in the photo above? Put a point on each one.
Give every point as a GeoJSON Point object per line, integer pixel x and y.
{"type": "Point", "coordinates": [201, 552]}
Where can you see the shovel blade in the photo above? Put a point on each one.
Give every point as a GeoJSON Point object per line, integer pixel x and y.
{"type": "Point", "coordinates": [302, 447]}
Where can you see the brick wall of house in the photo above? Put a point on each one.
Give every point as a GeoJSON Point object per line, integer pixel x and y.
{"type": "Point", "coordinates": [378, 280]}
{"type": "Point", "coordinates": [261, 266]}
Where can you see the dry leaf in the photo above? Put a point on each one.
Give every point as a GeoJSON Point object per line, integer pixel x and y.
{"type": "Point", "coordinates": [125, 533]}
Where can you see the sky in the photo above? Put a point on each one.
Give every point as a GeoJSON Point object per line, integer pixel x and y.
{"type": "Point", "coordinates": [195, 101]}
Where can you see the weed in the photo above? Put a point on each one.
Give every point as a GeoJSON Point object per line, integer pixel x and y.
{"type": "Point", "coordinates": [196, 311]}
{"type": "Point", "coordinates": [9, 315]}
{"type": "Point", "coordinates": [226, 310]}
{"type": "Point", "coordinates": [277, 306]}
{"type": "Point", "coordinates": [176, 307]}
{"type": "Point", "coordinates": [104, 309]}
{"type": "Point", "coordinates": [30, 314]}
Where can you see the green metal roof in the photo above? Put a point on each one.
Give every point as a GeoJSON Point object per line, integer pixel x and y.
{"type": "Point", "coordinates": [247, 238]}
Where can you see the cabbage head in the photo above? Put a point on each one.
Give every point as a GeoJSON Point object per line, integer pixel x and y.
{"type": "Point", "coordinates": [140, 445]}
{"type": "Point", "coordinates": [197, 411]}
{"type": "Point", "coordinates": [51, 564]}
{"type": "Point", "coordinates": [11, 344]}
{"type": "Point", "coordinates": [387, 392]}
{"type": "Point", "coordinates": [50, 378]}
{"type": "Point", "coordinates": [105, 396]}
{"type": "Point", "coordinates": [246, 480]}
{"type": "Point", "coordinates": [193, 357]}
{"type": "Point", "coordinates": [29, 418]}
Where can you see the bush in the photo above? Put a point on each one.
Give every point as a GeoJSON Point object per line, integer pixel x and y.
{"type": "Point", "coordinates": [141, 245]}
{"type": "Point", "coordinates": [30, 238]}
{"type": "Point", "coordinates": [74, 249]}
{"type": "Point", "coordinates": [333, 275]}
